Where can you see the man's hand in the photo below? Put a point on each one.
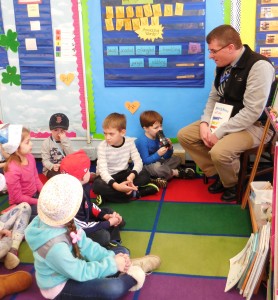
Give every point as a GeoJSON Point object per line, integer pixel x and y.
{"type": "Point", "coordinates": [205, 134]}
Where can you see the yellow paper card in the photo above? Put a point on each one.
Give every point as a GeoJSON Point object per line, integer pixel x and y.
{"type": "Point", "coordinates": [33, 10]}
{"type": "Point", "coordinates": [119, 24]}
{"type": "Point", "coordinates": [139, 12]}
{"type": "Point", "coordinates": [144, 21]}
{"type": "Point", "coordinates": [157, 10]}
{"type": "Point", "coordinates": [109, 12]}
{"type": "Point", "coordinates": [109, 24]}
{"type": "Point", "coordinates": [147, 10]}
{"type": "Point", "coordinates": [269, 2]}
{"type": "Point", "coordinates": [120, 12]}
{"type": "Point", "coordinates": [128, 24]}
{"type": "Point", "coordinates": [179, 9]}
{"type": "Point", "coordinates": [268, 25]}
{"type": "Point", "coordinates": [269, 12]}
{"type": "Point", "coordinates": [135, 24]}
{"type": "Point", "coordinates": [154, 20]}
{"type": "Point", "coordinates": [269, 52]}
{"type": "Point", "coordinates": [271, 39]}
{"type": "Point", "coordinates": [129, 12]}
{"type": "Point", "coordinates": [168, 10]}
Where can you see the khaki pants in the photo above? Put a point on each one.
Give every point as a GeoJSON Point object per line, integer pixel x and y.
{"type": "Point", "coordinates": [223, 157]}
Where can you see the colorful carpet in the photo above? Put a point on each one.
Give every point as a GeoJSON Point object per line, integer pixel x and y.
{"type": "Point", "coordinates": [193, 232]}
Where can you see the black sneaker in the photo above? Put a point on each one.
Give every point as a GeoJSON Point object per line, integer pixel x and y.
{"type": "Point", "coordinates": [146, 190]}
{"type": "Point", "coordinates": [98, 200]}
{"type": "Point", "coordinates": [186, 173]}
{"type": "Point", "coordinates": [160, 182]}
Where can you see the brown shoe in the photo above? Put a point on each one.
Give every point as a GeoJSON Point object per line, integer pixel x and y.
{"type": "Point", "coordinates": [148, 263]}
{"type": "Point", "coordinates": [14, 283]}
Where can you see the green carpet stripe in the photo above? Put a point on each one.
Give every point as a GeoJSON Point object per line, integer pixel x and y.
{"type": "Point", "coordinates": [204, 219]}
{"type": "Point", "coordinates": [196, 255]}
{"type": "Point", "coordinates": [139, 215]}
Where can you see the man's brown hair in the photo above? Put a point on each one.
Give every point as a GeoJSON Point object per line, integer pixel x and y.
{"type": "Point", "coordinates": [115, 120]}
{"type": "Point", "coordinates": [149, 117]}
{"type": "Point", "coordinates": [225, 35]}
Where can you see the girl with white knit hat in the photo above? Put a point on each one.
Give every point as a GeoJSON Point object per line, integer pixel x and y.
{"type": "Point", "coordinates": [68, 264]}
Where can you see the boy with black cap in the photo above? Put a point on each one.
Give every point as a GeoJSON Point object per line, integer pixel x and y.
{"type": "Point", "coordinates": [56, 146]}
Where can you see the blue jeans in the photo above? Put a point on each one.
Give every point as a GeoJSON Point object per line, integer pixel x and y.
{"type": "Point", "coordinates": [97, 289]}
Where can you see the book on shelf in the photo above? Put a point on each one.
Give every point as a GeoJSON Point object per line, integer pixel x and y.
{"type": "Point", "coordinates": [246, 268]}
{"type": "Point", "coordinates": [221, 114]}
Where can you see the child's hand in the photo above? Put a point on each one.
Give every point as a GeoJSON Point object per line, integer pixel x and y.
{"type": "Point", "coordinates": [130, 177]}
{"type": "Point", "coordinates": [5, 233]}
{"type": "Point", "coordinates": [56, 167]}
{"type": "Point", "coordinates": [170, 143]}
{"type": "Point", "coordinates": [123, 262]}
{"type": "Point", "coordinates": [161, 151]}
{"type": "Point", "coordinates": [113, 221]}
{"type": "Point", "coordinates": [125, 187]}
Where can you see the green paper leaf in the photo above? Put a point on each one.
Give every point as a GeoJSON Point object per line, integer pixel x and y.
{"type": "Point", "coordinates": [9, 41]}
{"type": "Point", "coordinates": [10, 77]}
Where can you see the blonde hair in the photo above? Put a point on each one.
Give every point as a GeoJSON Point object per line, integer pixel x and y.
{"type": "Point", "coordinates": [14, 156]}
{"type": "Point", "coordinates": [115, 120]}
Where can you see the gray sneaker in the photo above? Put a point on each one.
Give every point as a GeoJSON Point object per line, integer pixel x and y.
{"type": "Point", "coordinates": [148, 263]}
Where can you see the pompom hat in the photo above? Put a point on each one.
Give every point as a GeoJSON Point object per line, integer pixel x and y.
{"type": "Point", "coordinates": [76, 164]}
{"type": "Point", "coordinates": [59, 120]}
{"type": "Point", "coordinates": [60, 199]}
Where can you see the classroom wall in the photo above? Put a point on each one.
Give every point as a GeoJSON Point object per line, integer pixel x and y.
{"type": "Point", "coordinates": [179, 106]}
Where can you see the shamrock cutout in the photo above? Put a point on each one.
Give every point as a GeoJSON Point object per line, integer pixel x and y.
{"type": "Point", "coordinates": [10, 76]}
{"type": "Point", "coordinates": [9, 41]}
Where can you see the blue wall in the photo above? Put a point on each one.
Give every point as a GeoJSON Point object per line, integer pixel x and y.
{"type": "Point", "coordinates": [178, 106]}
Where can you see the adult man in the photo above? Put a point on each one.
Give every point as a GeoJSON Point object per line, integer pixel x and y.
{"type": "Point", "coordinates": [243, 79]}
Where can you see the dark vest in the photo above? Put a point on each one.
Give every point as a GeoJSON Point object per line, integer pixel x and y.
{"type": "Point", "coordinates": [236, 83]}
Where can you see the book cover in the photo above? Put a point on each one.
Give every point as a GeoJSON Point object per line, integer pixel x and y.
{"type": "Point", "coordinates": [221, 114]}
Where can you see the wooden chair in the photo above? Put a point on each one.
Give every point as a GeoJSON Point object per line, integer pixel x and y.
{"type": "Point", "coordinates": [248, 170]}
{"type": "Point", "coordinates": [247, 158]}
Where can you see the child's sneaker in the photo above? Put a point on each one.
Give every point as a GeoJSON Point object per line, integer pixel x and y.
{"type": "Point", "coordinates": [11, 260]}
{"type": "Point", "coordinates": [148, 263]}
{"type": "Point", "coordinates": [146, 190]}
{"type": "Point", "coordinates": [160, 182]}
{"type": "Point", "coordinates": [116, 247]}
{"type": "Point", "coordinates": [98, 200]}
{"type": "Point", "coordinates": [186, 173]}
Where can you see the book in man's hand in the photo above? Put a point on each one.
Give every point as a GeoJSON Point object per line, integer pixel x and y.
{"type": "Point", "coordinates": [220, 115]}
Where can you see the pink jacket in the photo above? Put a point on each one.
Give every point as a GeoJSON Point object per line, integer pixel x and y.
{"type": "Point", "coordinates": [23, 182]}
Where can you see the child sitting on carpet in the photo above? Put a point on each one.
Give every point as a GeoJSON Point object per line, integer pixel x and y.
{"type": "Point", "coordinates": [158, 158]}
{"type": "Point", "coordinates": [101, 225]}
{"type": "Point", "coordinates": [21, 173]}
{"type": "Point", "coordinates": [69, 263]}
{"type": "Point", "coordinates": [57, 146]}
{"type": "Point", "coordinates": [116, 181]}
{"type": "Point", "coordinates": [12, 226]}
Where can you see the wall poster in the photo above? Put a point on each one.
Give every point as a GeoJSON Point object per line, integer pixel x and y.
{"type": "Point", "coordinates": [267, 30]}
{"type": "Point", "coordinates": [153, 42]}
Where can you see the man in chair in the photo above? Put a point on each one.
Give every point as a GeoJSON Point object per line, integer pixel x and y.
{"type": "Point", "coordinates": [243, 79]}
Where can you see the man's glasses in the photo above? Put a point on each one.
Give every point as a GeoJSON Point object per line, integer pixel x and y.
{"type": "Point", "coordinates": [212, 51]}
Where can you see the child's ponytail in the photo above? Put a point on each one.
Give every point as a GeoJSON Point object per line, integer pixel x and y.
{"type": "Point", "coordinates": [72, 229]}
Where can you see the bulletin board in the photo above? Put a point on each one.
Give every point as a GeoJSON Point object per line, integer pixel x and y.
{"type": "Point", "coordinates": [153, 43]}
{"type": "Point", "coordinates": [267, 30]}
